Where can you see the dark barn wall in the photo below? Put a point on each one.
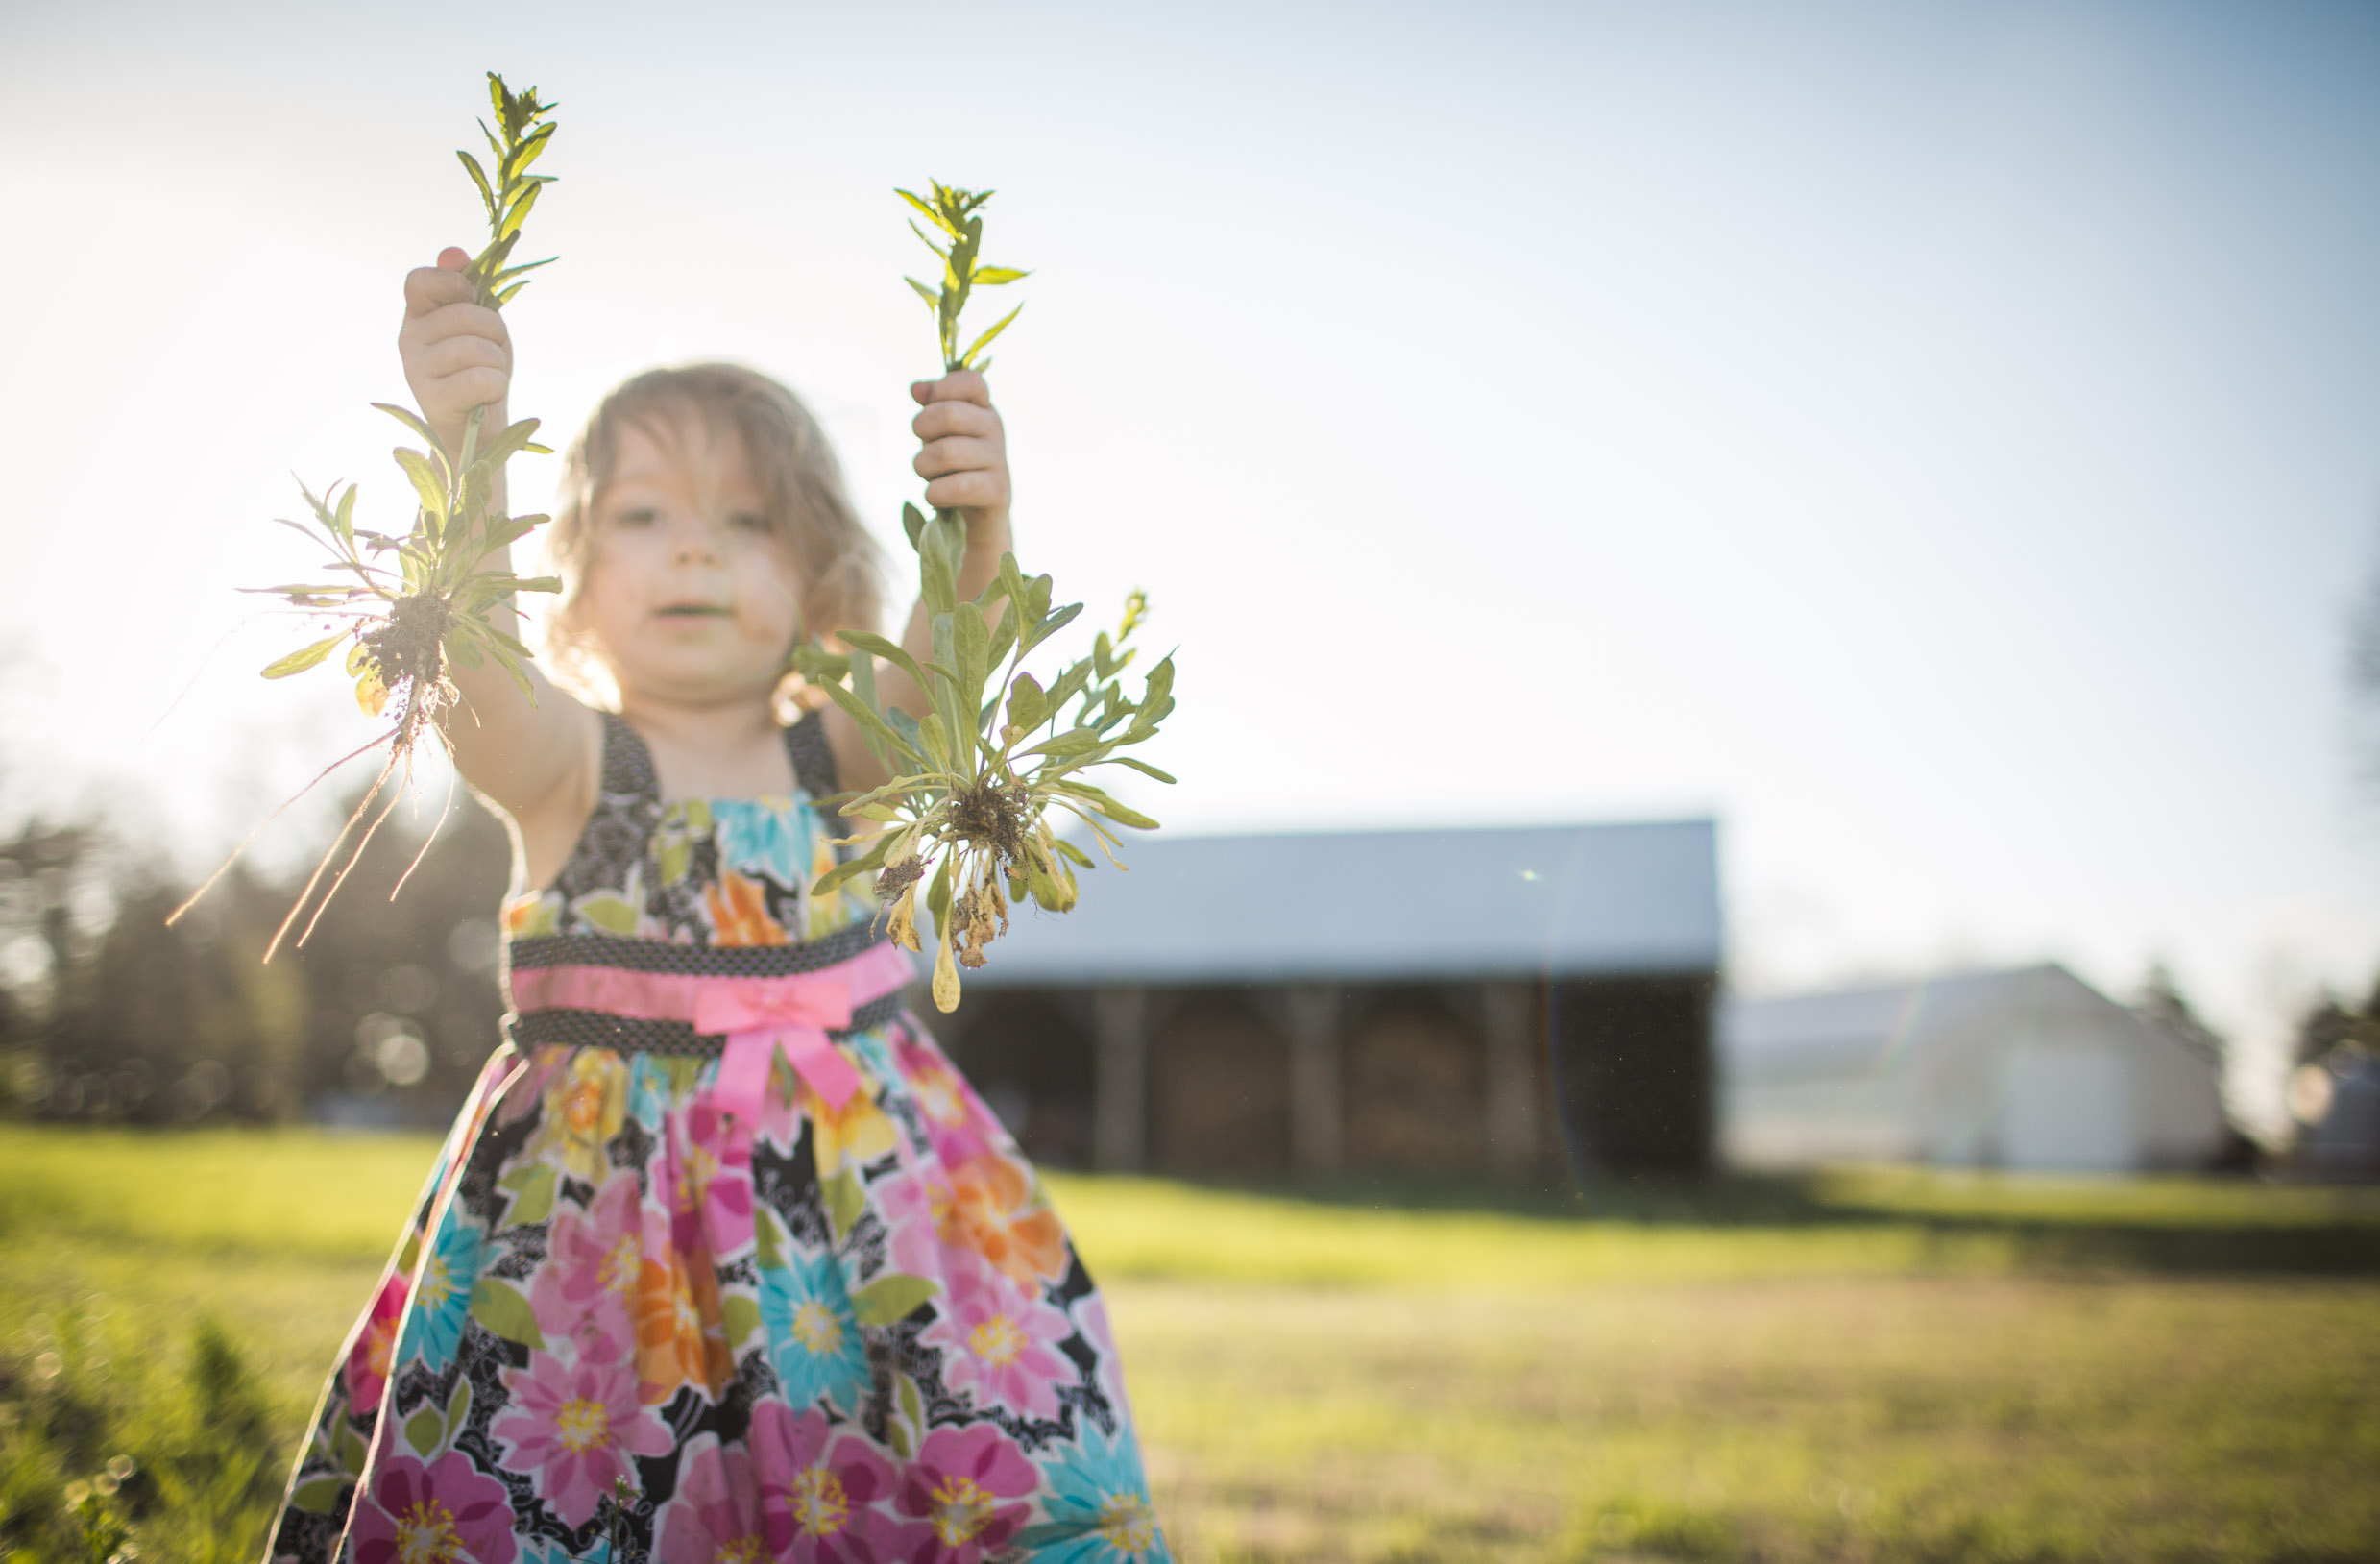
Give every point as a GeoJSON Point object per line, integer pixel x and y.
{"type": "Point", "coordinates": [1414, 1084]}
{"type": "Point", "coordinates": [1028, 1052]}
{"type": "Point", "coordinates": [1632, 1071]}
{"type": "Point", "coordinates": [1218, 1086]}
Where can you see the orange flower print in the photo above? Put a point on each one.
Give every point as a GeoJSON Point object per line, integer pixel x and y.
{"type": "Point", "coordinates": [739, 912]}
{"type": "Point", "coordinates": [997, 1210]}
{"type": "Point", "coordinates": [680, 1336]}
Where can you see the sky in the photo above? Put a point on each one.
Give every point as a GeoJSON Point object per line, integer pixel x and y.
{"type": "Point", "coordinates": [1936, 441]}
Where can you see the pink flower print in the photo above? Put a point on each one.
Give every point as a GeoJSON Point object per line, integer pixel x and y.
{"type": "Point", "coordinates": [956, 1486]}
{"type": "Point", "coordinates": [369, 1359]}
{"type": "Point", "coordinates": [575, 1427]}
{"type": "Point", "coordinates": [438, 1514]}
{"type": "Point", "coordinates": [823, 1489]}
{"type": "Point", "coordinates": [959, 1123]}
{"type": "Point", "coordinates": [934, 1084]}
{"type": "Point", "coordinates": [525, 1092]}
{"type": "Point", "coordinates": [1092, 1317]}
{"type": "Point", "coordinates": [715, 1517]}
{"type": "Point", "coordinates": [710, 1171]}
{"type": "Point", "coordinates": [587, 1285]}
{"type": "Point", "coordinates": [920, 1208]}
{"type": "Point", "coordinates": [1000, 1342]}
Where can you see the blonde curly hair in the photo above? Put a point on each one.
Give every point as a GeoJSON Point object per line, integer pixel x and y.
{"type": "Point", "coordinates": [836, 559]}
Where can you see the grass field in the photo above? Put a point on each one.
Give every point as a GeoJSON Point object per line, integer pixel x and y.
{"type": "Point", "coordinates": [1869, 1366]}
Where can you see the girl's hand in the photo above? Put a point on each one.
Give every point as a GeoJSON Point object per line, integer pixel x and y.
{"type": "Point", "coordinates": [457, 354]}
{"type": "Point", "coordinates": [965, 456]}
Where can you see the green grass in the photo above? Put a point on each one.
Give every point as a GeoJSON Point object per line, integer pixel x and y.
{"type": "Point", "coordinates": [1868, 1366]}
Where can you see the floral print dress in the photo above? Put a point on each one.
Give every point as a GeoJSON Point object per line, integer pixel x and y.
{"type": "Point", "coordinates": [630, 1322]}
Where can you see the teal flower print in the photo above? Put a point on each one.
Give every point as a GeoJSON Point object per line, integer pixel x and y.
{"type": "Point", "coordinates": [814, 1336]}
{"type": "Point", "coordinates": [1098, 1504]}
{"type": "Point", "coordinates": [762, 840]}
{"type": "Point", "coordinates": [442, 1296]}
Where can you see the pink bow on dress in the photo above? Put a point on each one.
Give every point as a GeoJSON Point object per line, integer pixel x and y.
{"type": "Point", "coordinates": [758, 1016]}
{"type": "Point", "coordinates": [761, 1017]}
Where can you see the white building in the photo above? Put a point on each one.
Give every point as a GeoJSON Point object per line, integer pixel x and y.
{"type": "Point", "coordinates": [2031, 1068]}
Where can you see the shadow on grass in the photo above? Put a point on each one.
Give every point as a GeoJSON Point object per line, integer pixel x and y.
{"type": "Point", "coordinates": [2204, 1226]}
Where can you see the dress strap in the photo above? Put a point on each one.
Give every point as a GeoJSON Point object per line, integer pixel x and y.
{"type": "Point", "coordinates": [813, 761]}
{"type": "Point", "coordinates": [628, 764]}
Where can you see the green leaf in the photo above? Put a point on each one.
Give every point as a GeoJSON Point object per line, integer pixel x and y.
{"type": "Point", "coordinates": [519, 212]}
{"type": "Point", "coordinates": [534, 1202]}
{"type": "Point", "coordinates": [890, 651]}
{"type": "Point", "coordinates": [501, 450]}
{"type": "Point", "coordinates": [1052, 623]}
{"type": "Point", "coordinates": [934, 736]}
{"type": "Point", "coordinates": [317, 1496]}
{"type": "Point", "coordinates": [968, 357]}
{"type": "Point", "coordinates": [1157, 689]}
{"type": "Point", "coordinates": [298, 662]}
{"type": "Point", "coordinates": [458, 1408]}
{"type": "Point", "coordinates": [938, 895]}
{"type": "Point", "coordinates": [934, 300]}
{"type": "Point", "coordinates": [480, 178]}
{"type": "Point", "coordinates": [863, 672]}
{"type": "Point", "coordinates": [932, 216]}
{"type": "Point", "coordinates": [1004, 625]}
{"type": "Point", "coordinates": [506, 276]}
{"type": "Point", "coordinates": [741, 1316]}
{"type": "Point", "coordinates": [764, 1232]}
{"type": "Point", "coordinates": [527, 151]}
{"type": "Point", "coordinates": [506, 1313]}
{"type": "Point", "coordinates": [423, 1431]}
{"type": "Point", "coordinates": [1067, 850]}
{"type": "Point", "coordinates": [844, 1201]}
{"type": "Point", "coordinates": [912, 1405]}
{"type": "Point", "coordinates": [428, 482]}
{"type": "Point", "coordinates": [992, 276]}
{"type": "Point", "coordinates": [1028, 704]}
{"type": "Point", "coordinates": [1069, 684]}
{"type": "Point", "coordinates": [937, 579]}
{"type": "Point", "coordinates": [862, 713]}
{"type": "Point", "coordinates": [888, 1300]}
{"type": "Point", "coordinates": [867, 862]}
{"type": "Point", "coordinates": [1116, 812]}
{"type": "Point", "coordinates": [1077, 741]}
{"type": "Point", "coordinates": [974, 647]}
{"type": "Point", "coordinates": [1142, 766]}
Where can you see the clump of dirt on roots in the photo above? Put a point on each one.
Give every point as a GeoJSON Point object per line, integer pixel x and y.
{"type": "Point", "coordinates": [408, 651]}
{"type": "Point", "coordinates": [987, 832]}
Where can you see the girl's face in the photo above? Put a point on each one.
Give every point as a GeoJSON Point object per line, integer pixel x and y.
{"type": "Point", "coordinates": [689, 591]}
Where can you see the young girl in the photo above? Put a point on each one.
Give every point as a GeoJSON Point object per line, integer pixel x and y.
{"type": "Point", "coordinates": [723, 1261]}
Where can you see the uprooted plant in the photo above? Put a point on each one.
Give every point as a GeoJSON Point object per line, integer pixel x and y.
{"type": "Point", "coordinates": [975, 780]}
{"type": "Point", "coordinates": [409, 605]}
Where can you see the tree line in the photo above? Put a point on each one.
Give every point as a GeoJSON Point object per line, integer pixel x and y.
{"type": "Point", "coordinates": [382, 1017]}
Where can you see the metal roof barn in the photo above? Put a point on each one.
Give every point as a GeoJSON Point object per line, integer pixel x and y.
{"type": "Point", "coordinates": [1433, 998]}
{"type": "Point", "coordinates": [1535, 902]}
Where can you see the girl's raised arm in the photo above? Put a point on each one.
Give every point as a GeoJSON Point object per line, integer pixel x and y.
{"type": "Point", "coordinates": [538, 760]}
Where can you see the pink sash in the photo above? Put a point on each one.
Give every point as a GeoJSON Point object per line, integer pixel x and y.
{"type": "Point", "coordinates": [760, 1017]}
